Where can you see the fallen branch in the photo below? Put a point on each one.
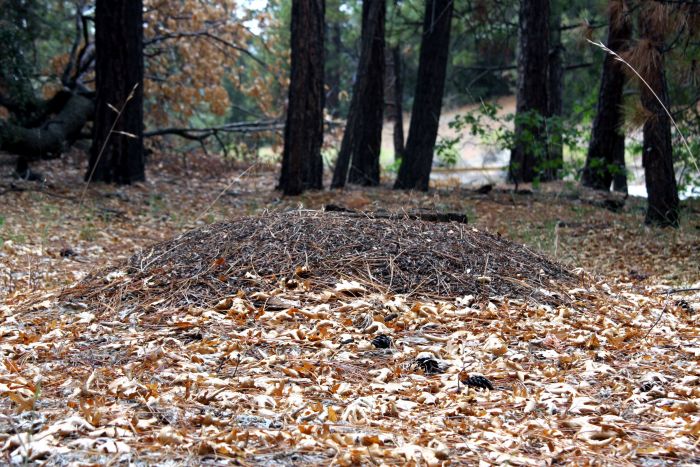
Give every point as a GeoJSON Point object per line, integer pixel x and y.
{"type": "Point", "coordinates": [48, 140]}
{"type": "Point", "coordinates": [200, 134]}
{"type": "Point", "coordinates": [413, 215]}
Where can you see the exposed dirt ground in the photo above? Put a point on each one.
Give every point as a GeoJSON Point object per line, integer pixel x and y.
{"type": "Point", "coordinates": [281, 347]}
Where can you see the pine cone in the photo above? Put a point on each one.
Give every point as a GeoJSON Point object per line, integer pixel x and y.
{"type": "Point", "coordinates": [430, 366]}
{"type": "Point", "coordinates": [646, 386]}
{"type": "Point", "coordinates": [382, 341]}
{"type": "Point", "coordinates": [477, 381]}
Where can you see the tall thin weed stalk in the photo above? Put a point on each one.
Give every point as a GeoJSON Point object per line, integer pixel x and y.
{"type": "Point", "coordinates": [221, 193]}
{"type": "Point", "coordinates": [119, 113]}
{"type": "Point", "coordinates": [620, 59]}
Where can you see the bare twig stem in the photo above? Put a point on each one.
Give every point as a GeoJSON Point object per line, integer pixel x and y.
{"type": "Point", "coordinates": [104, 145]}
{"type": "Point", "coordinates": [620, 59]}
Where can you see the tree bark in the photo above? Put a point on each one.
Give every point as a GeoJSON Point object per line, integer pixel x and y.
{"type": "Point", "coordinates": [414, 172]}
{"type": "Point", "coordinates": [333, 72]}
{"type": "Point", "coordinates": [364, 169]}
{"type": "Point", "coordinates": [302, 165]}
{"type": "Point", "coordinates": [394, 89]}
{"type": "Point", "coordinates": [363, 131]}
{"type": "Point", "coordinates": [657, 152]}
{"type": "Point", "coordinates": [117, 154]}
{"type": "Point", "coordinates": [555, 90]}
{"type": "Point", "coordinates": [605, 162]}
{"type": "Point", "coordinates": [527, 159]}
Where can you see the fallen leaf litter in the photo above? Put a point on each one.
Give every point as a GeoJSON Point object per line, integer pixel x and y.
{"type": "Point", "coordinates": [217, 353]}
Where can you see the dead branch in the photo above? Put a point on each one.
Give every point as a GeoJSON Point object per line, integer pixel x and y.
{"type": "Point", "coordinates": [413, 215]}
{"type": "Point", "coordinates": [200, 134]}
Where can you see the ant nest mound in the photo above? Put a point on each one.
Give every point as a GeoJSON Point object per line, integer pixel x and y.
{"type": "Point", "coordinates": [315, 250]}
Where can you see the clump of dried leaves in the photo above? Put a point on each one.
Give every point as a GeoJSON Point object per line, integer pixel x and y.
{"type": "Point", "coordinates": [289, 371]}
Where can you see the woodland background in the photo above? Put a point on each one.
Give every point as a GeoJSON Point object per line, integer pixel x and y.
{"type": "Point", "coordinates": [260, 119]}
{"type": "Point", "coordinates": [220, 75]}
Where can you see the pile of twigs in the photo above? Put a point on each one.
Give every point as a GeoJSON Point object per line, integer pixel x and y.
{"type": "Point", "coordinates": [314, 248]}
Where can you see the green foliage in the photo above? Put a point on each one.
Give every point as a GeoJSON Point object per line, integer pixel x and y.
{"type": "Point", "coordinates": [31, 33]}
{"type": "Point", "coordinates": [496, 130]}
{"type": "Point", "coordinates": [600, 167]}
{"type": "Point", "coordinates": [687, 163]}
{"type": "Point", "coordinates": [17, 26]}
{"type": "Point", "coordinates": [394, 166]}
{"type": "Point", "coordinates": [447, 151]}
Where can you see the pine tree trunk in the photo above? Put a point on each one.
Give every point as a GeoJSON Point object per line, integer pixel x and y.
{"type": "Point", "coordinates": [302, 165]}
{"type": "Point", "coordinates": [657, 152]}
{"type": "Point", "coordinates": [416, 164]}
{"type": "Point", "coordinates": [117, 154]}
{"type": "Point", "coordinates": [605, 161]}
{"type": "Point", "coordinates": [333, 72]}
{"type": "Point", "coordinates": [364, 169]}
{"type": "Point", "coordinates": [398, 103]}
{"type": "Point", "coordinates": [555, 89]}
{"type": "Point", "coordinates": [526, 160]}
{"type": "Point", "coordinates": [363, 131]}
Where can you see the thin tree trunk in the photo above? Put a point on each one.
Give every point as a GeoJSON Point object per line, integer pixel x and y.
{"type": "Point", "coordinates": [555, 89]}
{"type": "Point", "coordinates": [117, 149]}
{"type": "Point", "coordinates": [605, 161]}
{"type": "Point", "coordinates": [333, 71]}
{"type": "Point", "coordinates": [398, 103]}
{"type": "Point", "coordinates": [416, 164]}
{"type": "Point", "coordinates": [395, 78]}
{"type": "Point", "coordinates": [389, 83]}
{"type": "Point", "coordinates": [364, 169]}
{"type": "Point", "coordinates": [657, 152]}
{"type": "Point", "coordinates": [363, 131]}
{"type": "Point", "coordinates": [526, 158]}
{"type": "Point", "coordinates": [302, 165]}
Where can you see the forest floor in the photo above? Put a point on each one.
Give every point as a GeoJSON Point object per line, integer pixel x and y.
{"type": "Point", "coordinates": [284, 371]}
